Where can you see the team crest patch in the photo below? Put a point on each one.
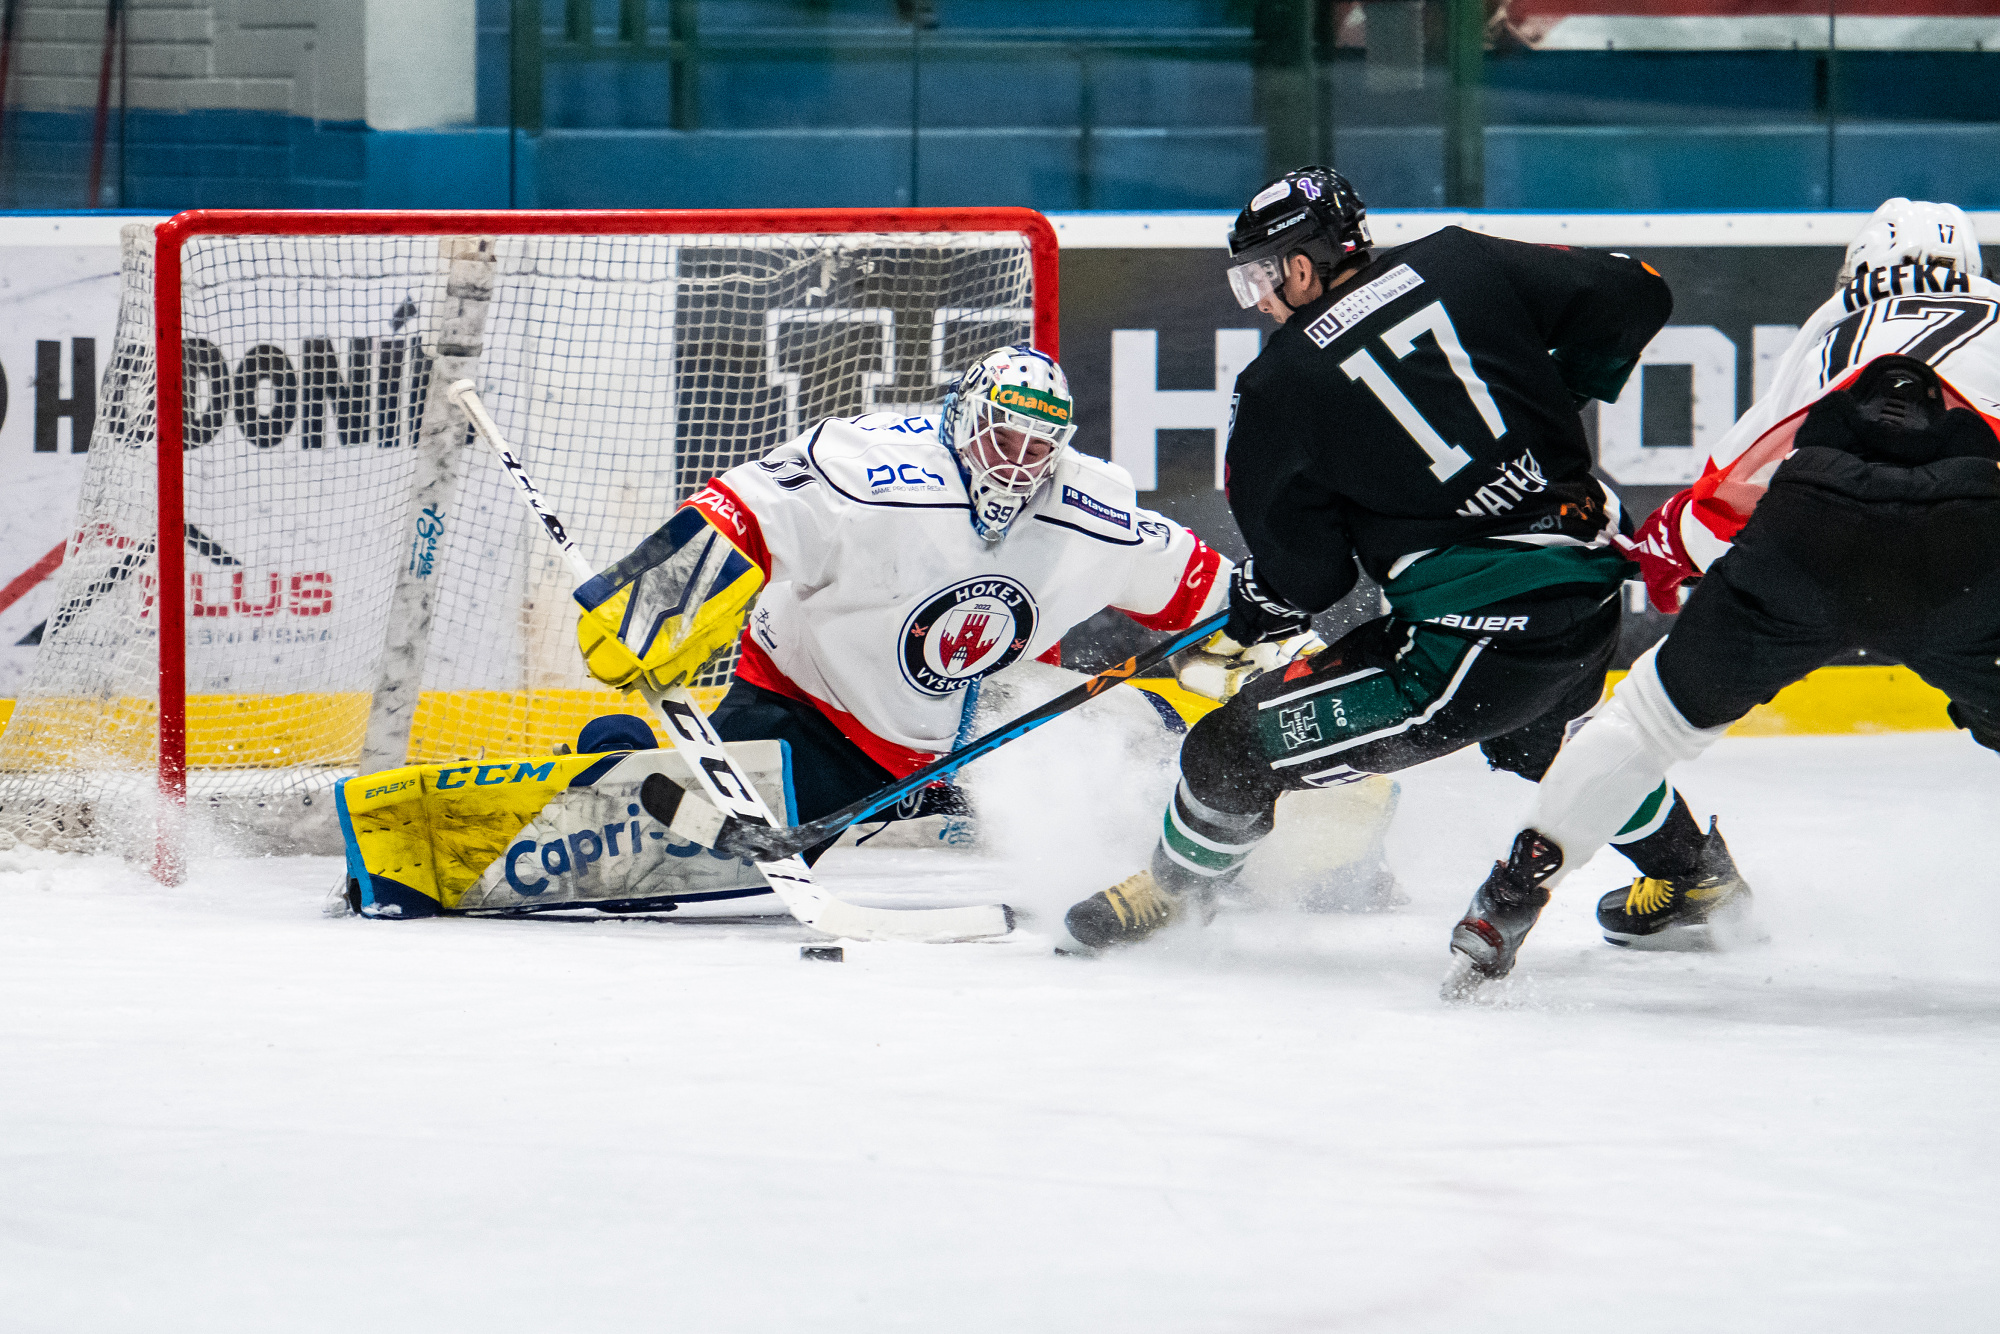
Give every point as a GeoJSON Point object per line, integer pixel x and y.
{"type": "Point", "coordinates": [1298, 726]}
{"type": "Point", "coordinates": [969, 630]}
{"type": "Point", "coordinates": [1096, 508]}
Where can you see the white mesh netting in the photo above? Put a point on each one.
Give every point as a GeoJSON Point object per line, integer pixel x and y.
{"type": "Point", "coordinates": [626, 370]}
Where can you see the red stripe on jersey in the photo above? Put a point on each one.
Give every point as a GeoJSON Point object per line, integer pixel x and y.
{"type": "Point", "coordinates": [735, 521]}
{"type": "Point", "coordinates": [1185, 605]}
{"type": "Point", "coordinates": [755, 666]}
{"type": "Point", "coordinates": [1724, 497]}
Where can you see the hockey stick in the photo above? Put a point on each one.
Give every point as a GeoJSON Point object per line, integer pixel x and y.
{"type": "Point", "coordinates": [724, 784]}
{"type": "Point", "coordinates": [754, 839]}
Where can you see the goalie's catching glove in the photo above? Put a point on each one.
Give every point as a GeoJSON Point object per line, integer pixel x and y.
{"type": "Point", "coordinates": [1218, 667]}
{"type": "Point", "coordinates": [1257, 615]}
{"type": "Point", "coordinates": [665, 609]}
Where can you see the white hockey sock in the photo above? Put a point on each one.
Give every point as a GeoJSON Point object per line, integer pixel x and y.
{"type": "Point", "coordinates": [1613, 765]}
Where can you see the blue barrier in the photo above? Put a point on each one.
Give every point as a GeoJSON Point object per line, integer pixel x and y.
{"type": "Point", "coordinates": [175, 160]}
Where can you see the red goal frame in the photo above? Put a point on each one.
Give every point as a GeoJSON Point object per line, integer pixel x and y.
{"type": "Point", "coordinates": [171, 236]}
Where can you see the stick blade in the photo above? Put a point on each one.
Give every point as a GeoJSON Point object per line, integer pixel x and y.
{"type": "Point", "coordinates": [930, 926]}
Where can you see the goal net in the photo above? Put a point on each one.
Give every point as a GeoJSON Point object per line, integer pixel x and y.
{"type": "Point", "coordinates": [295, 563]}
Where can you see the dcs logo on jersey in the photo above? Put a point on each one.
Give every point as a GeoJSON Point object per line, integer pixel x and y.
{"type": "Point", "coordinates": [972, 629]}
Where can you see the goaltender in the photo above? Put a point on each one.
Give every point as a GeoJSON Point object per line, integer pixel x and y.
{"type": "Point", "coordinates": [894, 562]}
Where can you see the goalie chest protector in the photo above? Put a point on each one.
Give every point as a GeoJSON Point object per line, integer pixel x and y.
{"type": "Point", "coordinates": [883, 604]}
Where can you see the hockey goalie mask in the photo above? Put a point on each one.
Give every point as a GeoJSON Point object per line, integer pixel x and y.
{"type": "Point", "coordinates": [1006, 422]}
{"type": "Point", "coordinates": [1906, 231]}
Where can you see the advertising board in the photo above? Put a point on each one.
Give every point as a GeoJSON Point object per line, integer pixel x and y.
{"type": "Point", "coordinates": [1151, 339]}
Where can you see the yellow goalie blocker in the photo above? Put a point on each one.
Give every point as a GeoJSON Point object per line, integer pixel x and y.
{"type": "Point", "coordinates": [549, 831]}
{"type": "Point", "coordinates": [665, 609]}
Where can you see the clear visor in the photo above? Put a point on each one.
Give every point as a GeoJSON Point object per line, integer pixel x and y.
{"type": "Point", "coordinates": [1255, 279]}
{"type": "Point", "coordinates": [1012, 453]}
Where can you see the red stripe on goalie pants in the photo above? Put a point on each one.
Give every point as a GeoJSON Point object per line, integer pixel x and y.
{"type": "Point", "coordinates": [17, 588]}
{"type": "Point", "coordinates": [735, 520]}
{"type": "Point", "coordinates": [755, 666]}
{"type": "Point", "coordinates": [1184, 608]}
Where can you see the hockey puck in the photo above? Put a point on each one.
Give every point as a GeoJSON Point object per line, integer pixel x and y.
{"type": "Point", "coordinates": [823, 953]}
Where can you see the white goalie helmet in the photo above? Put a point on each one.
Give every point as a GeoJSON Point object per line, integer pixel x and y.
{"type": "Point", "coordinates": [1006, 421]}
{"type": "Point", "coordinates": [1914, 231]}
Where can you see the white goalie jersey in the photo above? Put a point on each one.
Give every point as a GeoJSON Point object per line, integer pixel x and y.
{"type": "Point", "coordinates": [882, 604]}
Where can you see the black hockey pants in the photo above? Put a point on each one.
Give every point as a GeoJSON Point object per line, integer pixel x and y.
{"type": "Point", "coordinates": [1389, 695]}
{"type": "Point", "coordinates": [1393, 693]}
{"type": "Point", "coordinates": [1843, 554]}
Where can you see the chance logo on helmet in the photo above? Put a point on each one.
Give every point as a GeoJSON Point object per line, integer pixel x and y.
{"type": "Point", "coordinates": [1033, 403]}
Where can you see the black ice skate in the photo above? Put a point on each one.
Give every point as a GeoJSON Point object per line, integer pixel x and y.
{"type": "Point", "coordinates": [1129, 911]}
{"type": "Point", "coordinates": [1504, 909]}
{"type": "Point", "coordinates": [1709, 908]}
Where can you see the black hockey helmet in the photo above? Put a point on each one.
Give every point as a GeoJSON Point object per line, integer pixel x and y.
{"type": "Point", "coordinates": [1312, 211]}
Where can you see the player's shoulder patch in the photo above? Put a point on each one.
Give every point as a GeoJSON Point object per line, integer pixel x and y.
{"type": "Point", "coordinates": [1078, 498]}
{"type": "Point", "coordinates": [1092, 497]}
{"type": "Point", "coordinates": [1362, 302]}
{"type": "Point", "coordinates": [885, 459]}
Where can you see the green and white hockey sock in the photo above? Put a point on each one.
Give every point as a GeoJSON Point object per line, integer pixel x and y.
{"type": "Point", "coordinates": [1662, 838]}
{"type": "Point", "coordinates": [1201, 848]}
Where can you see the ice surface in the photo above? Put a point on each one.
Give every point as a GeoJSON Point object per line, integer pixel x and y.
{"type": "Point", "coordinates": [223, 1112]}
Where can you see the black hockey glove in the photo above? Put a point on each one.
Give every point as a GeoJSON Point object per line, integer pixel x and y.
{"type": "Point", "coordinates": [1257, 616]}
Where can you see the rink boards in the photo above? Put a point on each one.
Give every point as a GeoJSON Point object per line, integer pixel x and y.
{"type": "Point", "coordinates": [1149, 334]}
{"type": "Point", "coordinates": [1833, 700]}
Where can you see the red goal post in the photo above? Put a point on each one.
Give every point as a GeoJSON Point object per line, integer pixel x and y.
{"type": "Point", "coordinates": [637, 343]}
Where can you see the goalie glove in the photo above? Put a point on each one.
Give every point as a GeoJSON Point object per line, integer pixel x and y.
{"type": "Point", "coordinates": [667, 608]}
{"type": "Point", "coordinates": [1218, 667]}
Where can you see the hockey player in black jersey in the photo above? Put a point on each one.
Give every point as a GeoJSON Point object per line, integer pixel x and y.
{"type": "Point", "coordinates": [1416, 414]}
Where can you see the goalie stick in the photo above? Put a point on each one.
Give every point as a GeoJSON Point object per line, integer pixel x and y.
{"type": "Point", "coordinates": [753, 839]}
{"type": "Point", "coordinates": [724, 784]}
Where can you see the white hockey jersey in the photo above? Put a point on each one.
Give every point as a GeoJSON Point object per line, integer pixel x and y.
{"type": "Point", "coordinates": [1948, 319]}
{"type": "Point", "coordinates": [882, 604]}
